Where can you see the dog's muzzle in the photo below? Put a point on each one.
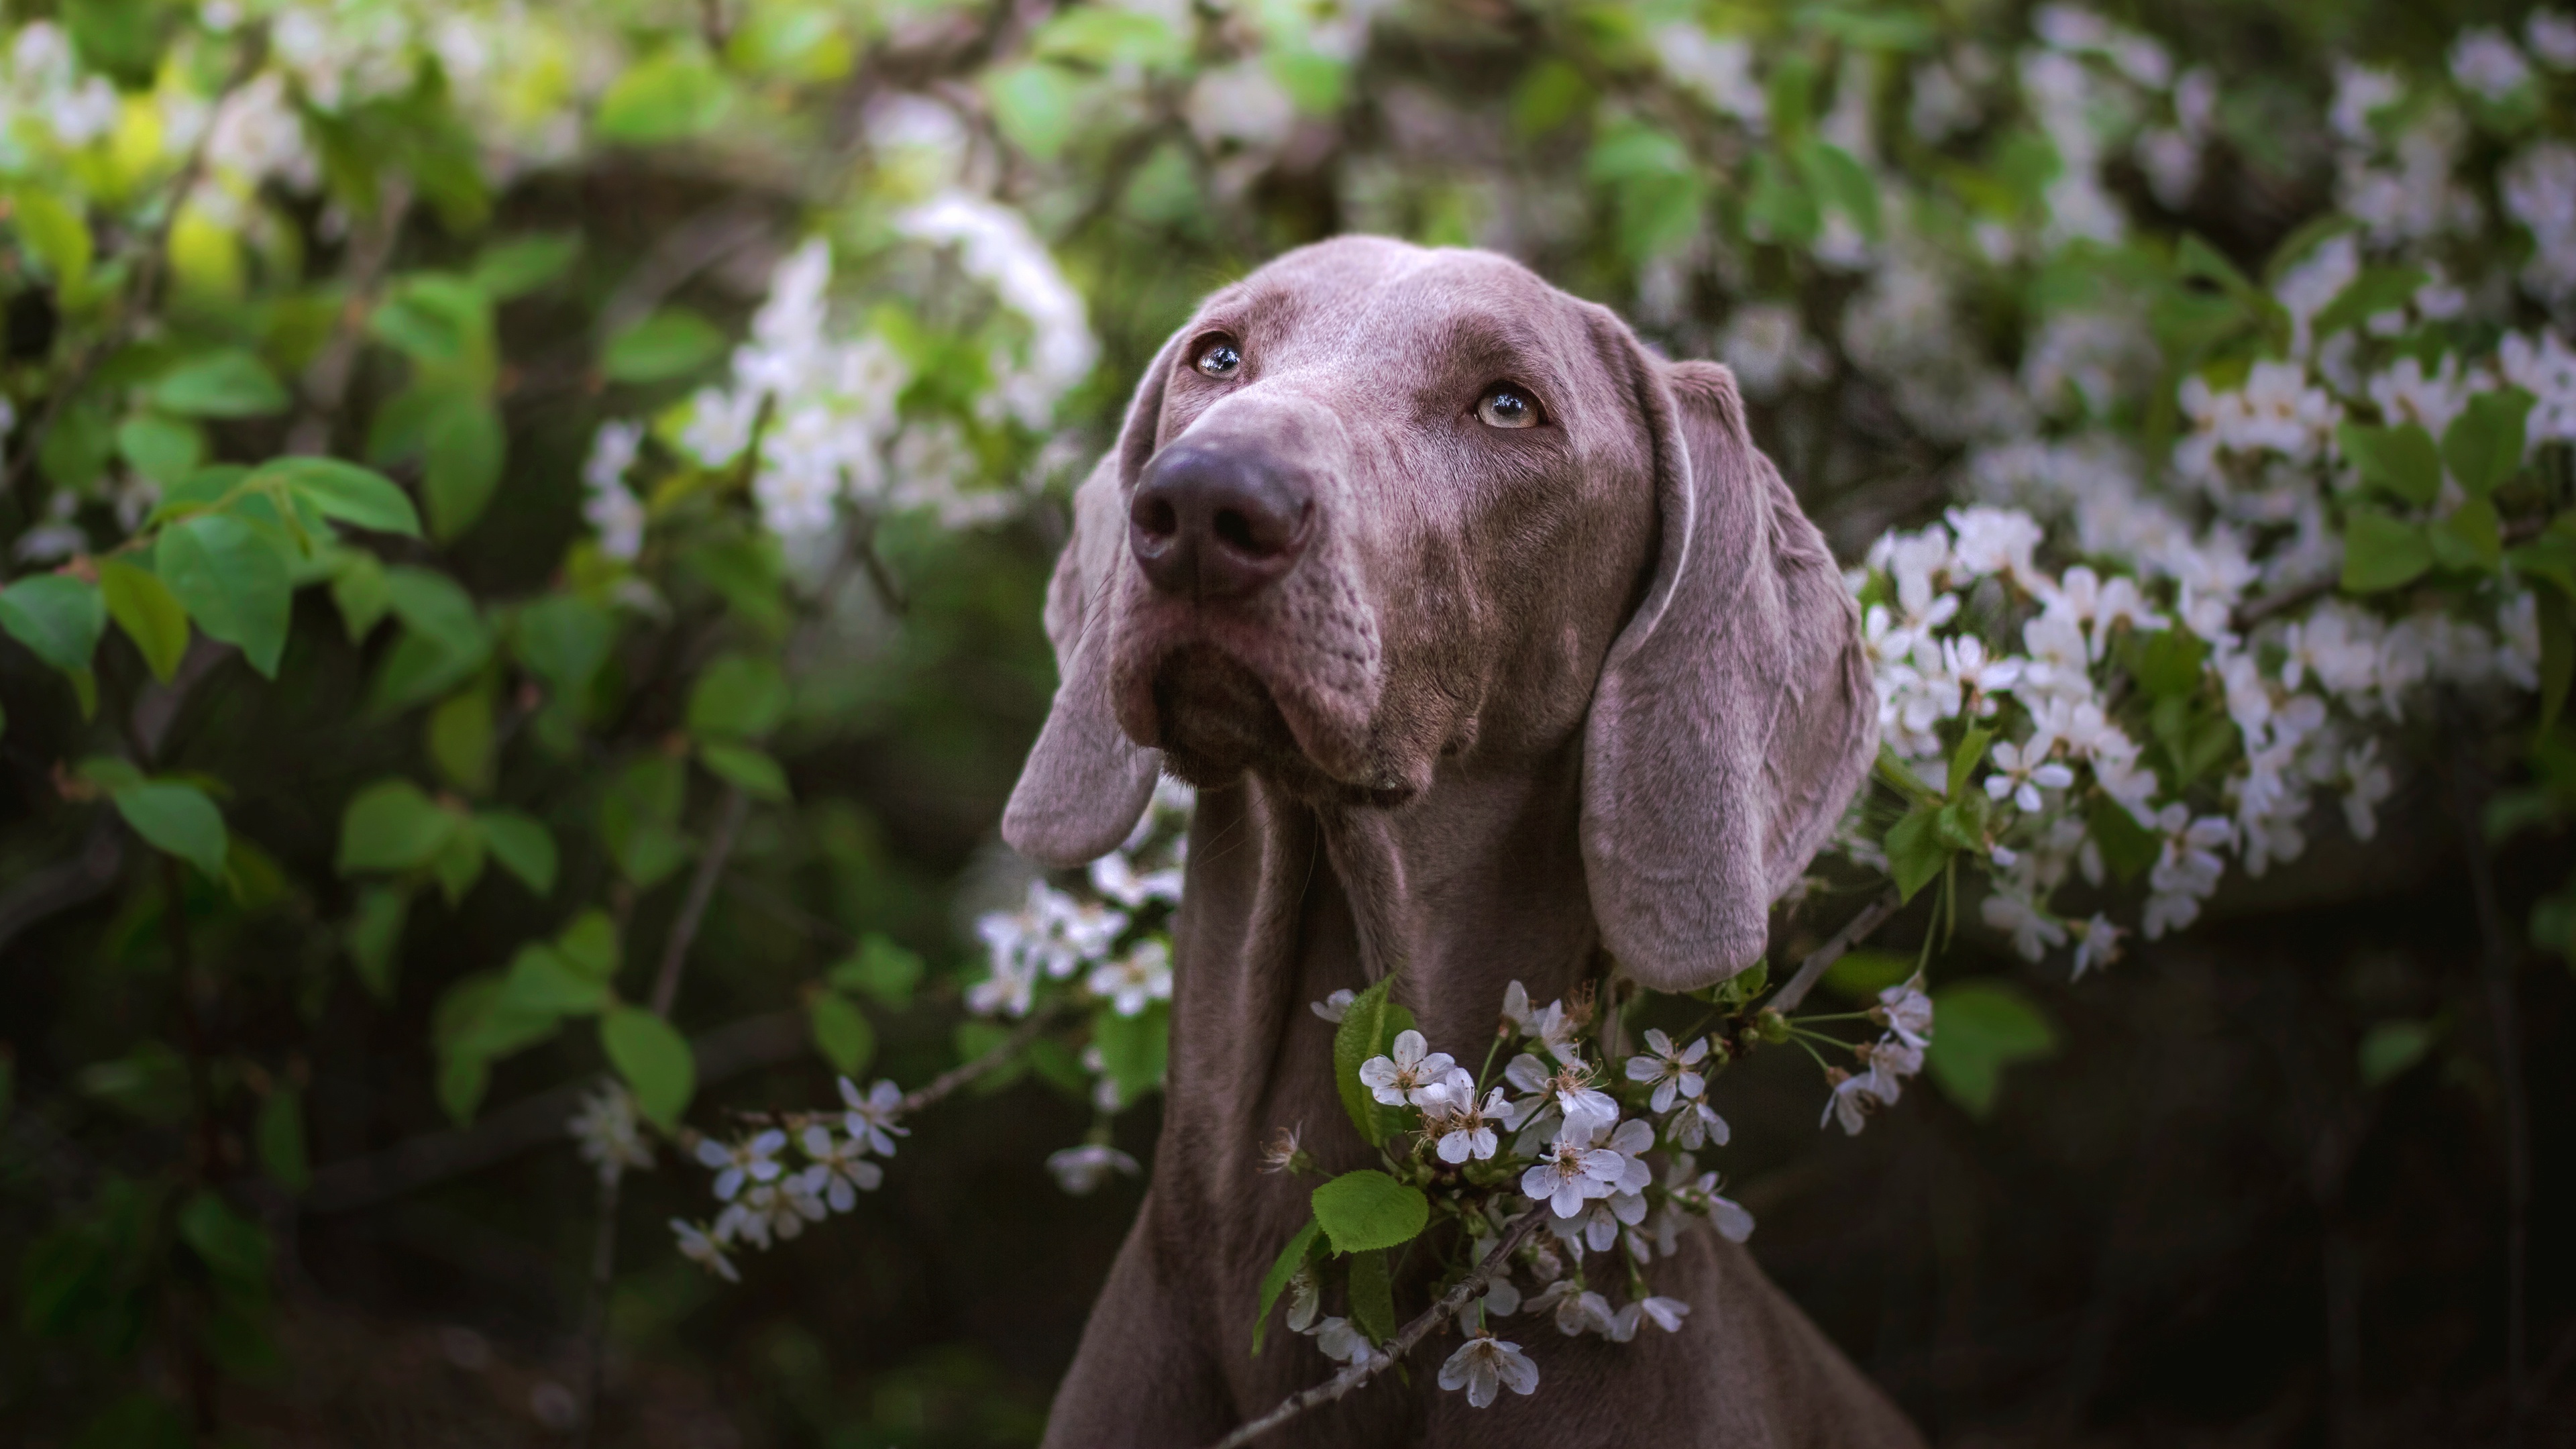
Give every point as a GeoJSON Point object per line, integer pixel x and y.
{"type": "Point", "coordinates": [1218, 522]}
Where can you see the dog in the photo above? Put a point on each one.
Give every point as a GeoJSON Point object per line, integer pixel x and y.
{"type": "Point", "coordinates": [1492, 643]}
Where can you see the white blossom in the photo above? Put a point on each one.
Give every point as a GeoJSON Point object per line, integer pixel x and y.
{"type": "Point", "coordinates": [1673, 1069]}
{"type": "Point", "coordinates": [1414, 1076]}
{"type": "Point", "coordinates": [1140, 977]}
{"type": "Point", "coordinates": [1080, 1170]}
{"type": "Point", "coordinates": [839, 1172]}
{"type": "Point", "coordinates": [608, 1134]}
{"type": "Point", "coordinates": [873, 1115]}
{"type": "Point", "coordinates": [1484, 1366]}
{"type": "Point", "coordinates": [699, 1247]}
{"type": "Point", "coordinates": [750, 1160]}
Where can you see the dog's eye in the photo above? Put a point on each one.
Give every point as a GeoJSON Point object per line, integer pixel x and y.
{"type": "Point", "coordinates": [1506, 406]}
{"type": "Point", "coordinates": [1219, 359]}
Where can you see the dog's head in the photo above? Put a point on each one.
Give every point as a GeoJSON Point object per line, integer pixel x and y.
{"type": "Point", "coordinates": [1377, 505]}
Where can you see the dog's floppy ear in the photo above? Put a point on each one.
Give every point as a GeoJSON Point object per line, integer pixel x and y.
{"type": "Point", "coordinates": [1086, 784]}
{"type": "Point", "coordinates": [1735, 714]}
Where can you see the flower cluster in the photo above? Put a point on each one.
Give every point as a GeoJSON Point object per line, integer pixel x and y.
{"type": "Point", "coordinates": [766, 1197]}
{"type": "Point", "coordinates": [1609, 1158]}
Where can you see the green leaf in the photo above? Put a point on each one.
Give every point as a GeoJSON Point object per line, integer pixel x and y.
{"type": "Point", "coordinates": [522, 265]}
{"type": "Point", "coordinates": [1916, 853]}
{"type": "Point", "coordinates": [108, 773]}
{"type": "Point", "coordinates": [541, 983]}
{"type": "Point", "coordinates": [361, 592]}
{"type": "Point", "coordinates": [1861, 975]}
{"type": "Point", "coordinates": [1366, 1210]}
{"type": "Point", "coordinates": [1838, 176]}
{"type": "Point", "coordinates": [2470, 540]}
{"type": "Point", "coordinates": [639, 817]}
{"type": "Point", "coordinates": [563, 639]}
{"type": "Point", "coordinates": [461, 738]}
{"type": "Point", "coordinates": [1134, 1050]}
{"type": "Point", "coordinates": [1368, 1029]}
{"type": "Point", "coordinates": [1778, 208]}
{"type": "Point", "coordinates": [2171, 662]}
{"type": "Point", "coordinates": [753, 772]}
{"type": "Point", "coordinates": [2375, 290]}
{"type": "Point", "coordinates": [179, 820]}
{"type": "Point", "coordinates": [2128, 848]}
{"type": "Point", "coordinates": [234, 581]}
{"type": "Point", "coordinates": [461, 463]}
{"type": "Point", "coordinates": [673, 342]}
{"type": "Point", "coordinates": [654, 1059]}
{"type": "Point", "coordinates": [55, 615]}
{"type": "Point", "coordinates": [438, 609]}
{"type": "Point", "coordinates": [1965, 759]}
{"type": "Point", "coordinates": [1283, 1268]}
{"type": "Point", "coordinates": [523, 846]}
{"type": "Point", "coordinates": [841, 1032]}
{"type": "Point", "coordinates": [2483, 445]}
{"type": "Point", "coordinates": [233, 1246]}
{"type": "Point", "coordinates": [737, 697]}
{"type": "Point", "coordinates": [392, 825]}
{"type": "Point", "coordinates": [360, 497]}
{"type": "Point", "coordinates": [589, 946]}
{"type": "Point", "coordinates": [374, 936]}
{"type": "Point", "coordinates": [1978, 1029]}
{"type": "Point", "coordinates": [437, 321]}
{"type": "Point", "coordinates": [462, 1080]}
{"type": "Point", "coordinates": [2390, 1047]}
{"type": "Point", "coordinates": [882, 969]}
{"type": "Point", "coordinates": [673, 95]}
{"type": "Point", "coordinates": [53, 233]}
{"type": "Point", "coordinates": [148, 612]}
{"type": "Point", "coordinates": [163, 449]}
{"type": "Point", "coordinates": [2402, 459]}
{"type": "Point", "coordinates": [459, 863]}
{"type": "Point", "coordinates": [2380, 552]}
{"type": "Point", "coordinates": [230, 383]}
{"type": "Point", "coordinates": [280, 1135]}
{"type": "Point", "coordinates": [1033, 104]}
{"type": "Point", "coordinates": [1372, 1296]}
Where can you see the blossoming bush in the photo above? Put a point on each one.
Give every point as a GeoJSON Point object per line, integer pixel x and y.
{"type": "Point", "coordinates": [476, 477]}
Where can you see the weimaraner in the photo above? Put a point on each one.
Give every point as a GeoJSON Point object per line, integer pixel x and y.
{"type": "Point", "coordinates": [1492, 643]}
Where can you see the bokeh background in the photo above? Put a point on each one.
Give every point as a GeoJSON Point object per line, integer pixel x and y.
{"type": "Point", "coordinates": [2247, 1186]}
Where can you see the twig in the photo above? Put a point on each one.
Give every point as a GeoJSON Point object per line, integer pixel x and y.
{"type": "Point", "coordinates": [693, 907]}
{"type": "Point", "coordinates": [1405, 1340]}
{"type": "Point", "coordinates": [206, 1152]}
{"type": "Point", "coordinates": [1812, 970]}
{"type": "Point", "coordinates": [326, 381]}
{"type": "Point", "coordinates": [949, 1081]}
{"type": "Point", "coordinates": [666, 988]}
{"type": "Point", "coordinates": [2255, 611]}
{"type": "Point", "coordinates": [363, 1182]}
{"type": "Point", "coordinates": [2496, 958]}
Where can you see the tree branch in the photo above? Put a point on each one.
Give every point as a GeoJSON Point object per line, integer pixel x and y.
{"type": "Point", "coordinates": [728, 1051]}
{"type": "Point", "coordinates": [1812, 970]}
{"type": "Point", "coordinates": [1406, 1339]}
{"type": "Point", "coordinates": [693, 907]}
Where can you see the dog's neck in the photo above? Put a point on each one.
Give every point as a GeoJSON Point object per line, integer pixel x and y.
{"type": "Point", "coordinates": [1474, 883]}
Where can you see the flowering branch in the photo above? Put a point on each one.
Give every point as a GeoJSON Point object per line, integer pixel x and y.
{"type": "Point", "coordinates": [1854, 931]}
{"type": "Point", "coordinates": [1405, 1340]}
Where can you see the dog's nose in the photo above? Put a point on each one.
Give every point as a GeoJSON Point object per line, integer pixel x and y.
{"type": "Point", "coordinates": [1217, 522]}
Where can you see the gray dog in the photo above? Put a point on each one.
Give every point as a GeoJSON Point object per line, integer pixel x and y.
{"type": "Point", "coordinates": [1493, 644]}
